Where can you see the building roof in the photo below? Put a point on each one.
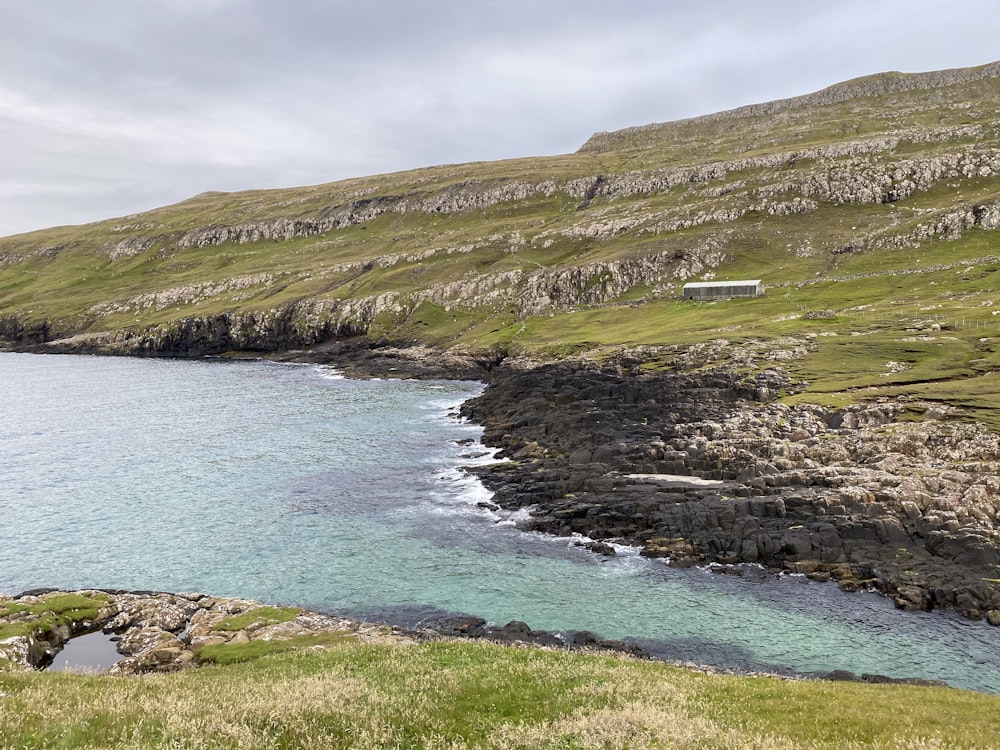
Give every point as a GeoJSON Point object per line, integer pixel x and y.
{"type": "Point", "coordinates": [710, 284]}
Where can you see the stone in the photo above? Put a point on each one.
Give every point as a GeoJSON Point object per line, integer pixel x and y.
{"type": "Point", "coordinates": [21, 651]}
{"type": "Point", "coordinates": [911, 598]}
{"type": "Point", "coordinates": [842, 675]}
{"type": "Point", "coordinates": [600, 548]}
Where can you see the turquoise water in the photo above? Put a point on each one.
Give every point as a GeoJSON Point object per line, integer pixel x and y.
{"type": "Point", "coordinates": [289, 484]}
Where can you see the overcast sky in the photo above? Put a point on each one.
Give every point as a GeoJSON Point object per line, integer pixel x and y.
{"type": "Point", "coordinates": [109, 107]}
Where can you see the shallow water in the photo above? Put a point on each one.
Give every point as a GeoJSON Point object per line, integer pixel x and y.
{"type": "Point", "coordinates": [289, 484]}
{"type": "Point", "coordinates": [90, 653]}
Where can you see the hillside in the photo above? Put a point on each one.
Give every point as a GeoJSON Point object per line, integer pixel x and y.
{"type": "Point", "coordinates": [867, 208]}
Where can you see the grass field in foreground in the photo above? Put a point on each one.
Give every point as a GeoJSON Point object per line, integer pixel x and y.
{"type": "Point", "coordinates": [340, 693]}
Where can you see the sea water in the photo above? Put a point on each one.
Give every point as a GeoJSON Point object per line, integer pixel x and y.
{"type": "Point", "coordinates": [293, 485]}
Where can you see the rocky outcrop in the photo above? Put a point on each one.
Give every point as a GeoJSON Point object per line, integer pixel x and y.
{"type": "Point", "coordinates": [165, 632]}
{"type": "Point", "coordinates": [14, 330]}
{"type": "Point", "coordinates": [703, 467]}
{"type": "Point", "coordinates": [949, 225]}
{"type": "Point", "coordinates": [161, 632]}
{"type": "Point", "coordinates": [862, 181]}
{"type": "Point", "coordinates": [40, 625]}
{"type": "Point", "coordinates": [272, 331]}
{"type": "Point", "coordinates": [314, 321]}
{"type": "Point", "coordinates": [235, 289]}
{"type": "Point", "coordinates": [128, 247]}
{"type": "Point", "coordinates": [463, 196]}
{"type": "Point", "coordinates": [387, 361]}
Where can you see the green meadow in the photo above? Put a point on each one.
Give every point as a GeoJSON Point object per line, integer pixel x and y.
{"type": "Point", "coordinates": [334, 692]}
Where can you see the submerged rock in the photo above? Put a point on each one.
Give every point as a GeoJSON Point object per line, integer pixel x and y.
{"type": "Point", "coordinates": [842, 675]}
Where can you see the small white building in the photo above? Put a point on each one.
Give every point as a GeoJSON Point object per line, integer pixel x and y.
{"type": "Point", "coordinates": [711, 290]}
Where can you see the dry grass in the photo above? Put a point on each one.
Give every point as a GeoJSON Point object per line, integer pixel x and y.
{"type": "Point", "coordinates": [451, 696]}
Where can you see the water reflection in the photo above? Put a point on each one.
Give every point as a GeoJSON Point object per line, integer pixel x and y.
{"type": "Point", "coordinates": [90, 653]}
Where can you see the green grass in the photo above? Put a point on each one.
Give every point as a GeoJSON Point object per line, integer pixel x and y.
{"type": "Point", "coordinates": [847, 362]}
{"type": "Point", "coordinates": [477, 695]}
{"type": "Point", "coordinates": [259, 617]}
{"type": "Point", "coordinates": [233, 653]}
{"type": "Point", "coordinates": [52, 610]}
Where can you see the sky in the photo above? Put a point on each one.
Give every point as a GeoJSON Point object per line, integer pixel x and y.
{"type": "Point", "coordinates": [111, 107]}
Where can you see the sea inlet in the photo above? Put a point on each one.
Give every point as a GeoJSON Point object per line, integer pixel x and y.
{"type": "Point", "coordinates": [293, 485]}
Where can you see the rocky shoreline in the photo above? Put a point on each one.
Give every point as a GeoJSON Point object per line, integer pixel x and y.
{"type": "Point", "coordinates": [704, 466]}
{"type": "Point", "coordinates": [687, 453]}
{"type": "Point", "coordinates": [157, 632]}
{"type": "Point", "coordinates": [165, 632]}
{"type": "Point", "coordinates": [696, 461]}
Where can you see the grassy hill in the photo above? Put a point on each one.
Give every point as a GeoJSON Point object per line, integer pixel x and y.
{"type": "Point", "coordinates": [874, 200]}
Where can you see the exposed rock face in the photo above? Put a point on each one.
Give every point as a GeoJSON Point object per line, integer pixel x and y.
{"type": "Point", "coordinates": [704, 467]}
{"type": "Point", "coordinates": [16, 331]}
{"type": "Point", "coordinates": [277, 330]}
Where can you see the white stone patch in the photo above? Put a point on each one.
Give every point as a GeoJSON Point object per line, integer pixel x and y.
{"type": "Point", "coordinates": [677, 480]}
{"type": "Point", "coordinates": [891, 368]}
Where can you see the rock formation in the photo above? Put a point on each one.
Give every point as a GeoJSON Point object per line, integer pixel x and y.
{"type": "Point", "coordinates": [161, 632]}
{"type": "Point", "coordinates": [704, 467]}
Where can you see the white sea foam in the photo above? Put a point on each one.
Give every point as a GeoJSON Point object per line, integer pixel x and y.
{"type": "Point", "coordinates": [328, 373]}
{"type": "Point", "coordinates": [456, 490]}
{"type": "Point", "coordinates": [516, 517]}
{"type": "Point", "coordinates": [460, 489]}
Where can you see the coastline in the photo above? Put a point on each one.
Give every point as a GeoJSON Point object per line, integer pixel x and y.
{"type": "Point", "coordinates": [832, 494]}
{"type": "Point", "coordinates": [159, 632]}
{"type": "Point", "coordinates": [854, 495]}
{"type": "Point", "coordinates": [539, 465]}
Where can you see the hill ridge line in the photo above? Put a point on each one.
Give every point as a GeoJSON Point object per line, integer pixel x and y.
{"type": "Point", "coordinates": [889, 82]}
